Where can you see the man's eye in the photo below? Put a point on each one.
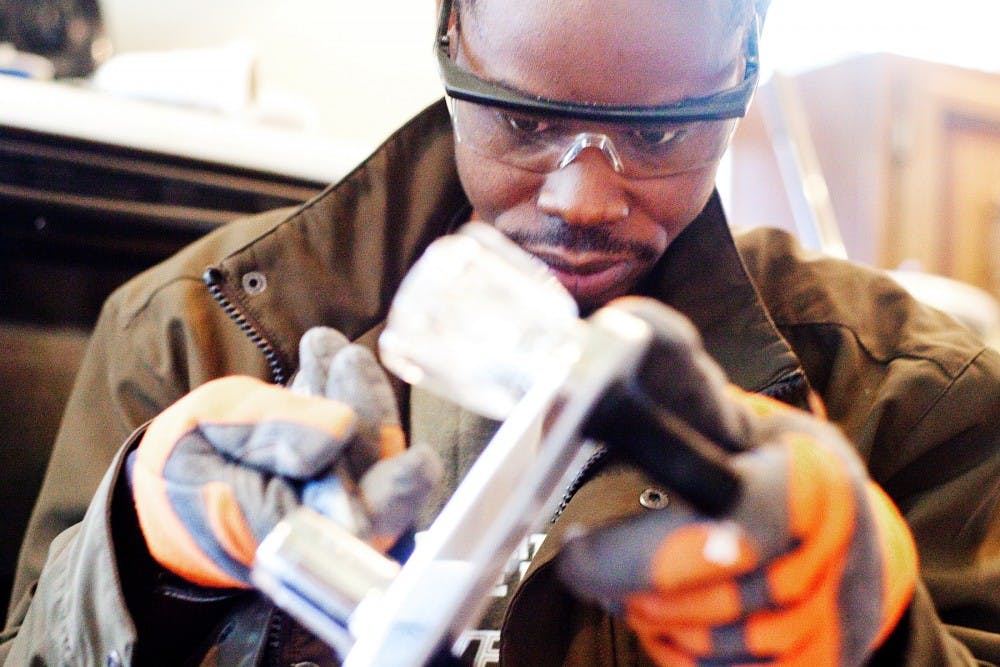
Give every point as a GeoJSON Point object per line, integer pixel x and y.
{"type": "Point", "coordinates": [523, 124]}
{"type": "Point", "coordinates": [658, 137]}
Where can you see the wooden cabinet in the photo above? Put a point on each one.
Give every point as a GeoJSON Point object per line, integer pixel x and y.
{"type": "Point", "coordinates": [910, 152]}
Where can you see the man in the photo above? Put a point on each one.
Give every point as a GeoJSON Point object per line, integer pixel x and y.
{"type": "Point", "coordinates": [589, 132]}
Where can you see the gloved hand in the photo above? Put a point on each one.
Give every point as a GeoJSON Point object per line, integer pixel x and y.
{"type": "Point", "coordinates": [813, 566]}
{"type": "Point", "coordinates": [217, 470]}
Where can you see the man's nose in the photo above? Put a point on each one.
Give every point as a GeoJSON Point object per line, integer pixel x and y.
{"type": "Point", "coordinates": [586, 191]}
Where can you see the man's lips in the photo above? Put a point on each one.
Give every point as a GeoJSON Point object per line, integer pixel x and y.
{"type": "Point", "coordinates": [589, 276]}
{"type": "Point", "coordinates": [586, 263]}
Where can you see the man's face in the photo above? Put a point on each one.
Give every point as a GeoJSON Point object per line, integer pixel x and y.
{"type": "Point", "coordinates": [598, 230]}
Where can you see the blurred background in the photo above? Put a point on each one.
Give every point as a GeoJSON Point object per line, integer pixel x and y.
{"type": "Point", "coordinates": [128, 128]}
{"type": "Point", "coordinates": [201, 111]}
{"type": "Point", "coordinates": [297, 92]}
{"type": "Point", "coordinates": [888, 110]}
{"type": "Point", "coordinates": [876, 136]}
{"type": "Point", "coordinates": [901, 101]}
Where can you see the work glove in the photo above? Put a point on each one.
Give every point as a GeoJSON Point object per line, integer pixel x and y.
{"type": "Point", "coordinates": [217, 470]}
{"type": "Point", "coordinates": [813, 565]}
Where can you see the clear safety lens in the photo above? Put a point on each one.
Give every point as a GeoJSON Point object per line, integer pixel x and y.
{"type": "Point", "coordinates": [544, 144]}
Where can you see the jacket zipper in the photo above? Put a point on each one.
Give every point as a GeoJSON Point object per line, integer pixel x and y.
{"type": "Point", "coordinates": [275, 624]}
{"type": "Point", "coordinates": [581, 476]}
{"type": "Point", "coordinates": [214, 280]}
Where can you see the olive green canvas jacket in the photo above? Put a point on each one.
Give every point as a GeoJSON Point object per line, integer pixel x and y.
{"type": "Point", "coordinates": [917, 394]}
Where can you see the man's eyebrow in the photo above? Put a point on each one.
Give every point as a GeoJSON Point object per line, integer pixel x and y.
{"type": "Point", "coordinates": [520, 91]}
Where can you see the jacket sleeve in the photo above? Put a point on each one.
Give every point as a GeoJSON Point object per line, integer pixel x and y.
{"type": "Point", "coordinates": [920, 398]}
{"type": "Point", "coordinates": [104, 408]}
{"type": "Point", "coordinates": [945, 476]}
{"type": "Point", "coordinates": [102, 599]}
{"type": "Point", "coordinates": [68, 535]}
{"type": "Point", "coordinates": [153, 342]}
{"type": "Point", "coordinates": [78, 614]}
{"type": "Point", "coordinates": [100, 415]}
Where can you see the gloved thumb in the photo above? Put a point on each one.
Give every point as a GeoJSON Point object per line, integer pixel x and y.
{"type": "Point", "coordinates": [317, 348]}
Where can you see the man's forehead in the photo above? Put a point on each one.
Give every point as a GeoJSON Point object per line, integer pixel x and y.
{"type": "Point", "coordinates": [629, 26]}
{"type": "Point", "coordinates": [734, 12]}
{"type": "Point", "coordinates": [661, 49]}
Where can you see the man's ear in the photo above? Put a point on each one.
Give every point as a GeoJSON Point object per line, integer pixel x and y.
{"type": "Point", "coordinates": [452, 31]}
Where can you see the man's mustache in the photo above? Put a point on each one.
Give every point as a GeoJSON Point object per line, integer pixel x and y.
{"type": "Point", "coordinates": [554, 232]}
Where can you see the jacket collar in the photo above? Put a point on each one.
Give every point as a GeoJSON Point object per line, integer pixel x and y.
{"type": "Point", "coordinates": [702, 275]}
{"type": "Point", "coordinates": [339, 259]}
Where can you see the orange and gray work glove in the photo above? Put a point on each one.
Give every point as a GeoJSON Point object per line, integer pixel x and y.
{"type": "Point", "coordinates": [217, 470]}
{"type": "Point", "coordinates": [812, 566]}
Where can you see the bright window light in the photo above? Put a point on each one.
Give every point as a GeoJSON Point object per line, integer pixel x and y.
{"type": "Point", "coordinates": [803, 34]}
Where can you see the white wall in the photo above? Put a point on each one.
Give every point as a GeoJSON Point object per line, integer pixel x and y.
{"type": "Point", "coordinates": [365, 65]}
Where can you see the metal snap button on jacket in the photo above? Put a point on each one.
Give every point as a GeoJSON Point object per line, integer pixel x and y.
{"type": "Point", "coordinates": [254, 282]}
{"type": "Point", "coordinates": [654, 499]}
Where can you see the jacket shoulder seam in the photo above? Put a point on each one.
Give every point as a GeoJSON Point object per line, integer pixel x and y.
{"type": "Point", "coordinates": [945, 390]}
{"type": "Point", "coordinates": [974, 353]}
{"type": "Point", "coordinates": [151, 295]}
